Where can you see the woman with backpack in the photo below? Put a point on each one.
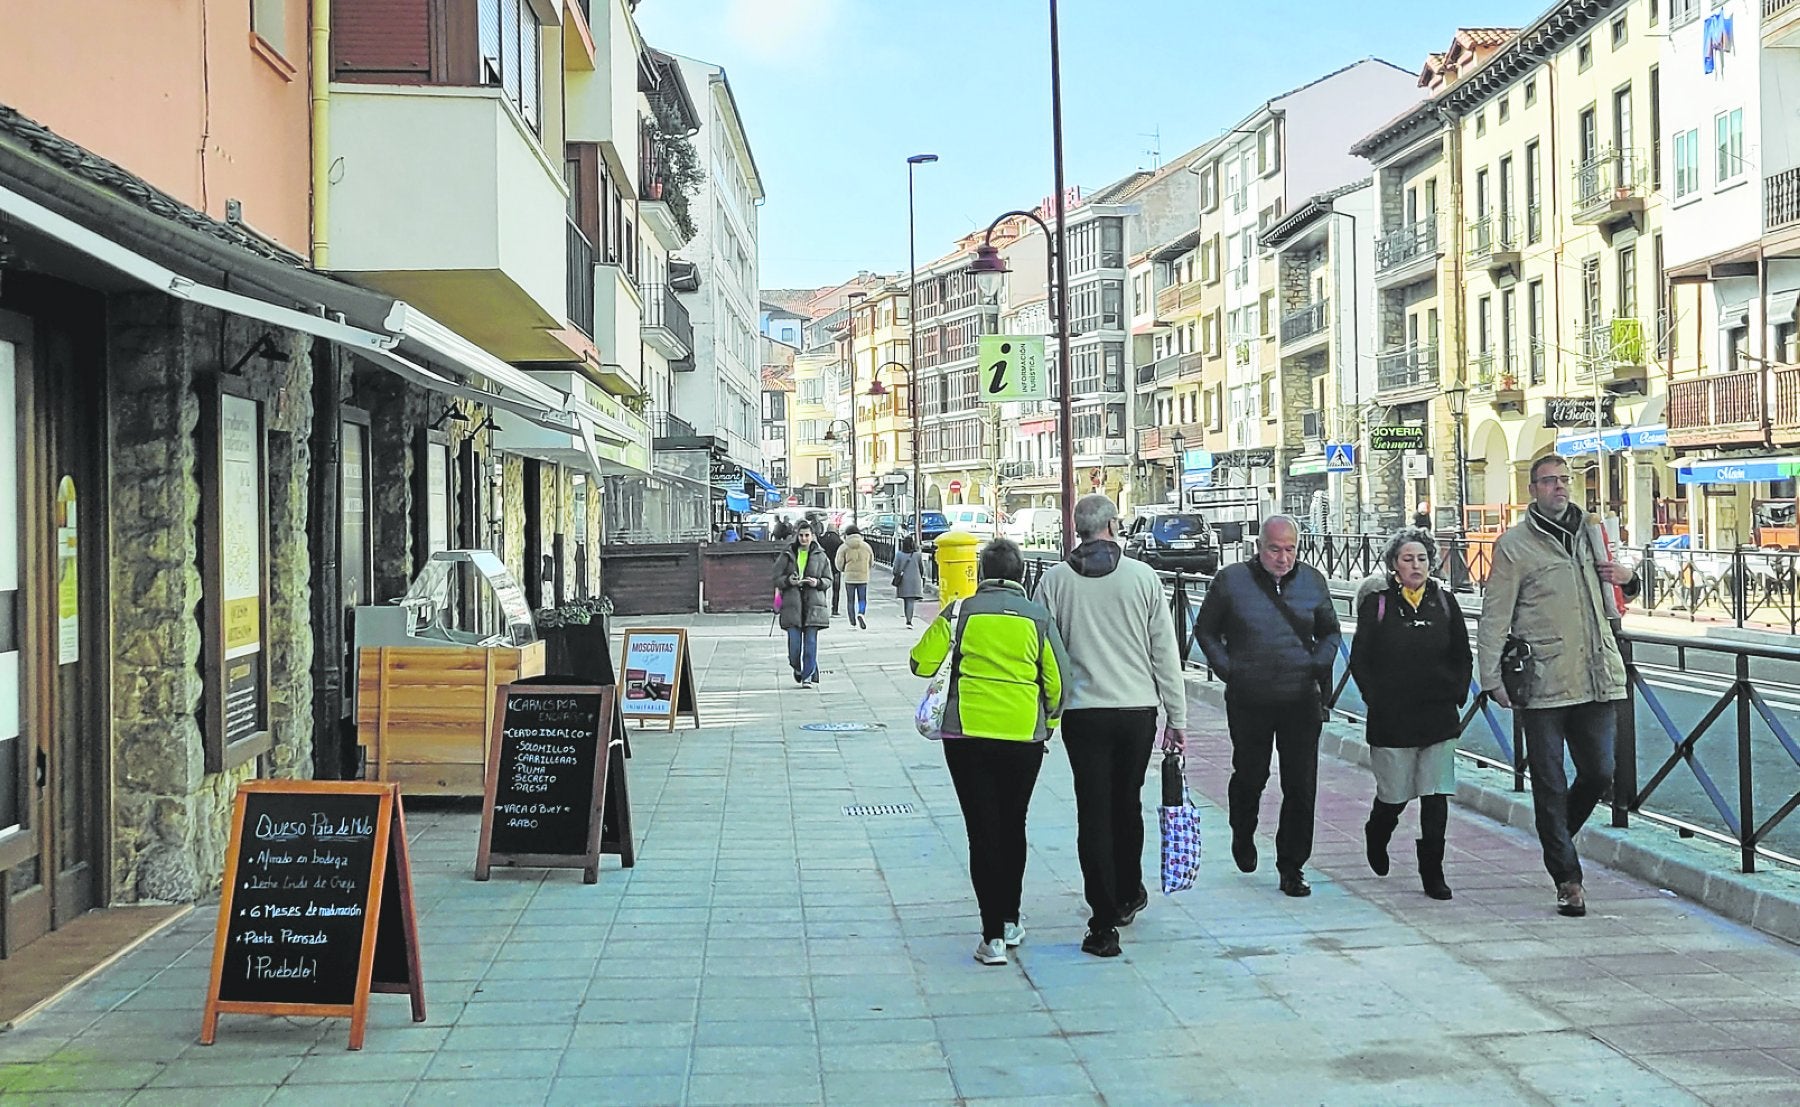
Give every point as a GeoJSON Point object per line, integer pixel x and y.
{"type": "Point", "coordinates": [1412, 661]}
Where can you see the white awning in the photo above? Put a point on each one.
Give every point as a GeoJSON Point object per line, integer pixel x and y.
{"type": "Point", "coordinates": [517, 391]}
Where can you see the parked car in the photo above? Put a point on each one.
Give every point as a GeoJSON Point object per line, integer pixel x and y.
{"type": "Point", "coordinates": [1172, 540]}
{"type": "Point", "coordinates": [886, 525]}
{"type": "Point", "coordinates": [1034, 526]}
{"type": "Point", "coordinates": [978, 521]}
{"type": "Point", "coordinates": [932, 524]}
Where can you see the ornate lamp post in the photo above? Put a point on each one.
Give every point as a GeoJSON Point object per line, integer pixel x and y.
{"type": "Point", "coordinates": [1179, 443]}
{"type": "Point", "coordinates": [912, 344]}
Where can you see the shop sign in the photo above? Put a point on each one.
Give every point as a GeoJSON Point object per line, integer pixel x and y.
{"type": "Point", "coordinates": [1579, 411]}
{"type": "Point", "coordinates": [1397, 438]}
{"type": "Point", "coordinates": [68, 584]}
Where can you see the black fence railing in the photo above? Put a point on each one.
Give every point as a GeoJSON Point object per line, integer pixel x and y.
{"type": "Point", "coordinates": [579, 280]}
{"type": "Point", "coordinates": [664, 309]}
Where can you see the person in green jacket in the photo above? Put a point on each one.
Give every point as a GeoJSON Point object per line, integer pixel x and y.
{"type": "Point", "coordinates": [1004, 701]}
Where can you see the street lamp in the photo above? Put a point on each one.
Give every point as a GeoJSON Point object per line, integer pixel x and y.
{"type": "Point", "coordinates": [989, 268]}
{"type": "Point", "coordinates": [854, 298]}
{"type": "Point", "coordinates": [912, 315]}
{"type": "Point", "coordinates": [1457, 398]}
{"type": "Point", "coordinates": [1179, 443]}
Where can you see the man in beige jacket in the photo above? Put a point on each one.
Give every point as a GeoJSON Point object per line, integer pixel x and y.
{"type": "Point", "coordinates": [1549, 586]}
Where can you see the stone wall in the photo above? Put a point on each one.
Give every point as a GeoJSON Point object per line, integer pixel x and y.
{"type": "Point", "coordinates": [512, 496]}
{"type": "Point", "coordinates": [170, 815]}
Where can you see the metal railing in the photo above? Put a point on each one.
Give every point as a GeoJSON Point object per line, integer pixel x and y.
{"type": "Point", "coordinates": [1781, 199]}
{"type": "Point", "coordinates": [578, 280]}
{"type": "Point", "coordinates": [1607, 176]}
{"type": "Point", "coordinates": [1608, 346]}
{"type": "Point", "coordinates": [667, 425]}
{"type": "Point", "coordinates": [1772, 8]}
{"type": "Point", "coordinates": [1406, 368]}
{"type": "Point", "coordinates": [1406, 243]}
{"type": "Point", "coordinates": [1491, 235]}
{"type": "Point", "coordinates": [664, 309]}
{"type": "Point", "coordinates": [1305, 322]}
{"type": "Point", "coordinates": [1786, 413]}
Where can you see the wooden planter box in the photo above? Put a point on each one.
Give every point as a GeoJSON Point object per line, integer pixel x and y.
{"type": "Point", "coordinates": [424, 712]}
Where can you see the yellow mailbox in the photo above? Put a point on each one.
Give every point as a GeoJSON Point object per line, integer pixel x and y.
{"type": "Point", "coordinates": [956, 566]}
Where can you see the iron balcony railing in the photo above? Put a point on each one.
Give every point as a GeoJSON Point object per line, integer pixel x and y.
{"type": "Point", "coordinates": [1534, 222]}
{"type": "Point", "coordinates": [1406, 243]}
{"type": "Point", "coordinates": [1483, 369]}
{"type": "Point", "coordinates": [578, 280]}
{"type": "Point", "coordinates": [669, 425]}
{"type": "Point", "coordinates": [1406, 368]}
{"type": "Point", "coordinates": [1305, 322]}
{"type": "Point", "coordinates": [1607, 176]}
{"type": "Point", "coordinates": [1606, 347]}
{"type": "Point", "coordinates": [1781, 199]}
{"type": "Point", "coordinates": [1786, 395]}
{"type": "Point", "coordinates": [663, 309]}
{"type": "Point", "coordinates": [1491, 235]}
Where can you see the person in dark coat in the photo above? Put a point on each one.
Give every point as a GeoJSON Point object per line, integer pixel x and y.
{"type": "Point", "coordinates": [1270, 632]}
{"type": "Point", "coordinates": [1412, 661]}
{"type": "Point", "coordinates": [803, 575]}
{"type": "Point", "coordinates": [909, 577]}
{"type": "Point", "coordinates": [831, 542]}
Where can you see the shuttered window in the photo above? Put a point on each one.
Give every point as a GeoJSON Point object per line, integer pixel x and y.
{"type": "Point", "coordinates": [508, 38]}
{"type": "Point", "coordinates": [380, 40]}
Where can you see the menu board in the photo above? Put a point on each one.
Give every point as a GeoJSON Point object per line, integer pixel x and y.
{"type": "Point", "coordinates": [241, 562]}
{"type": "Point", "coordinates": [658, 683]}
{"type": "Point", "coordinates": [312, 869]}
{"type": "Point", "coordinates": [546, 778]}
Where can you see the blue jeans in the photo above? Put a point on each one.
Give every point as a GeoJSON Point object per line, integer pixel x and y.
{"type": "Point", "coordinates": [858, 596]}
{"type": "Point", "coordinates": [803, 652]}
{"type": "Point", "coordinates": [1587, 730]}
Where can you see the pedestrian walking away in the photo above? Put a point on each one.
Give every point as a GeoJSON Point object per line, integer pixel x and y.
{"type": "Point", "coordinates": [1124, 667]}
{"type": "Point", "coordinates": [1270, 632]}
{"type": "Point", "coordinates": [803, 575]}
{"type": "Point", "coordinates": [854, 561]}
{"type": "Point", "coordinates": [1412, 662]}
{"type": "Point", "coordinates": [1548, 610]}
{"type": "Point", "coordinates": [909, 577]}
{"type": "Point", "coordinates": [1004, 698]}
{"type": "Point", "coordinates": [831, 542]}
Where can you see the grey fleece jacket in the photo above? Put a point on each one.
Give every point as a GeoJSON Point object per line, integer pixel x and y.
{"type": "Point", "coordinates": [1117, 633]}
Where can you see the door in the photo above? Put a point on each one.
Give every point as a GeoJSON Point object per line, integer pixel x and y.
{"type": "Point", "coordinates": [51, 573]}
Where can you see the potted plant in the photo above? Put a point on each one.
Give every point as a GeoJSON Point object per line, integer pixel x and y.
{"type": "Point", "coordinates": [577, 640]}
{"type": "Point", "coordinates": [1509, 382]}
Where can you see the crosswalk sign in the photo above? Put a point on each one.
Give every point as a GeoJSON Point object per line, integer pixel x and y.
{"type": "Point", "coordinates": [1012, 368]}
{"type": "Point", "coordinates": [1340, 457]}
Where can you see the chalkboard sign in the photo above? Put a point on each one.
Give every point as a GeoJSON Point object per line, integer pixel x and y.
{"type": "Point", "coordinates": [546, 778]}
{"type": "Point", "coordinates": [317, 906]}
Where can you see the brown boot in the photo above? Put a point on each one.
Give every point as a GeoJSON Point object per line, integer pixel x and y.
{"type": "Point", "coordinates": [1570, 900]}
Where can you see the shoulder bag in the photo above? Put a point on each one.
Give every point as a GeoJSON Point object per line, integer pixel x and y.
{"type": "Point", "coordinates": [929, 718]}
{"type": "Point", "coordinates": [1302, 631]}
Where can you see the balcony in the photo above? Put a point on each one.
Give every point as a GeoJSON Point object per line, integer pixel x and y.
{"type": "Point", "coordinates": [578, 281]}
{"type": "Point", "coordinates": [1781, 198]}
{"type": "Point", "coordinates": [1496, 376]}
{"type": "Point", "coordinates": [444, 198]}
{"type": "Point", "coordinates": [667, 327]}
{"type": "Point", "coordinates": [1609, 189]}
{"type": "Point", "coordinates": [1188, 366]}
{"type": "Point", "coordinates": [1781, 23]}
{"type": "Point", "coordinates": [1611, 351]}
{"type": "Point", "coordinates": [1407, 252]}
{"type": "Point", "coordinates": [1305, 326]}
{"type": "Point", "coordinates": [1409, 369]}
{"type": "Point", "coordinates": [619, 314]}
{"type": "Point", "coordinates": [1786, 416]}
{"type": "Point", "coordinates": [1177, 296]}
{"type": "Point", "coordinates": [1494, 243]}
{"type": "Point", "coordinates": [1729, 409]}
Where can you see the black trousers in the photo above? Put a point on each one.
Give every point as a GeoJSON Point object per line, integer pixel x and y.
{"type": "Point", "coordinates": [837, 592]}
{"type": "Point", "coordinates": [1290, 731]}
{"type": "Point", "coordinates": [1109, 752]}
{"type": "Point", "coordinates": [994, 780]}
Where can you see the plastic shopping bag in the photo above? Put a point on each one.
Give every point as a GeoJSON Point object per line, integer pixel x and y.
{"type": "Point", "coordinates": [929, 718]}
{"type": "Point", "coordinates": [1180, 830]}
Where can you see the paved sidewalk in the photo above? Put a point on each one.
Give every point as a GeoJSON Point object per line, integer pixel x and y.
{"type": "Point", "coordinates": [770, 948]}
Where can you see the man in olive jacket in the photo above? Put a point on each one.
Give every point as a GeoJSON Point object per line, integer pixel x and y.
{"type": "Point", "coordinates": [1270, 632]}
{"type": "Point", "coordinates": [1548, 586]}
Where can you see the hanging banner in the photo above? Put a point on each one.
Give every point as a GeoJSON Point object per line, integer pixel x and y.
{"type": "Point", "coordinates": [1011, 367]}
{"type": "Point", "coordinates": [68, 584]}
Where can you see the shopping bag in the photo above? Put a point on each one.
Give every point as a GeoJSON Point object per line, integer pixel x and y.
{"type": "Point", "coordinates": [1180, 830]}
{"type": "Point", "coordinates": [929, 717]}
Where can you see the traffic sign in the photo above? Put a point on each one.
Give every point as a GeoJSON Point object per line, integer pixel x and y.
{"type": "Point", "coordinates": [956, 488]}
{"type": "Point", "coordinates": [1340, 457]}
{"type": "Point", "coordinates": [1011, 367]}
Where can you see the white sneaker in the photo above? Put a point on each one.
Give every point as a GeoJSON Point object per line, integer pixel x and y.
{"type": "Point", "coordinates": [991, 953]}
{"type": "Point", "coordinates": [1014, 934]}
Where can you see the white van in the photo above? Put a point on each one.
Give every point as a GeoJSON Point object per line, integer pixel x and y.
{"type": "Point", "coordinates": [1035, 526]}
{"type": "Point", "coordinates": [972, 519]}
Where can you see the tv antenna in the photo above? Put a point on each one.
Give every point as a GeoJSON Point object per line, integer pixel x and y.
{"type": "Point", "coordinates": [1155, 150]}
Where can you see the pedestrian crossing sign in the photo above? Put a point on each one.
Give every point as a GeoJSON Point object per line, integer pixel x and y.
{"type": "Point", "coordinates": [1340, 457]}
{"type": "Point", "coordinates": [1012, 368]}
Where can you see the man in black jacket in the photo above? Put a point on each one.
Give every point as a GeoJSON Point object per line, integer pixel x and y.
{"type": "Point", "coordinates": [831, 542]}
{"type": "Point", "coordinates": [1270, 632]}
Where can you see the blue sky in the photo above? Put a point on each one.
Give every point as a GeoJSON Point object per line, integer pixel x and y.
{"type": "Point", "coordinates": [837, 93]}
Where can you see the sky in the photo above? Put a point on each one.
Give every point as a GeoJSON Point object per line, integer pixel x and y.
{"type": "Point", "coordinates": [836, 94]}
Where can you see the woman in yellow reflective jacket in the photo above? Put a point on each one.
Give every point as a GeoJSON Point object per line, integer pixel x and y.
{"type": "Point", "coordinates": [1005, 699]}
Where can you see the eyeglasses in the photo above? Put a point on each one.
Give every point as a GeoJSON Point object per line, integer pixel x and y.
{"type": "Point", "coordinates": [1564, 480]}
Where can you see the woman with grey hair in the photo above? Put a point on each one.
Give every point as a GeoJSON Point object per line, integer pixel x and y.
{"type": "Point", "coordinates": [1412, 661]}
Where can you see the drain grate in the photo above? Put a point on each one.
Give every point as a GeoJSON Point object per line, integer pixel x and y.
{"type": "Point", "coordinates": [839, 728]}
{"type": "Point", "coordinates": [864, 810]}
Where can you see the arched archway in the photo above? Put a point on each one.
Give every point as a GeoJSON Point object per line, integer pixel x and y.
{"type": "Point", "coordinates": [1490, 466]}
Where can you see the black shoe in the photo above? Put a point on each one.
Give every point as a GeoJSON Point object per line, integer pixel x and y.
{"type": "Point", "coordinates": [1131, 909]}
{"type": "Point", "coordinates": [1101, 943]}
{"type": "Point", "coordinates": [1378, 832]}
{"type": "Point", "coordinates": [1243, 851]}
{"type": "Point", "coordinates": [1295, 885]}
{"type": "Point", "coordinates": [1431, 868]}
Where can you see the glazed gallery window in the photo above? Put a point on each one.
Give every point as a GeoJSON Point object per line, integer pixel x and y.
{"type": "Point", "coordinates": [1687, 163]}
{"type": "Point", "coordinates": [508, 37]}
{"type": "Point", "coordinates": [1728, 134]}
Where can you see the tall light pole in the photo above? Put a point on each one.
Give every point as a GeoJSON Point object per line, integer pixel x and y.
{"type": "Point", "coordinates": [912, 342]}
{"type": "Point", "coordinates": [850, 357]}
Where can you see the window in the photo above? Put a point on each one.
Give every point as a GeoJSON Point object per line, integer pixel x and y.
{"type": "Point", "coordinates": [1505, 108]}
{"type": "Point", "coordinates": [1534, 329]}
{"type": "Point", "coordinates": [268, 19]}
{"type": "Point", "coordinates": [508, 39]}
{"type": "Point", "coordinates": [1480, 124]}
{"type": "Point", "coordinates": [1584, 55]}
{"type": "Point", "coordinates": [1484, 326]}
{"type": "Point", "coordinates": [1663, 344]}
{"type": "Point", "coordinates": [1209, 187]}
{"type": "Point", "coordinates": [1534, 186]}
{"type": "Point", "coordinates": [1590, 292]}
{"type": "Point", "coordinates": [1619, 32]}
{"type": "Point", "coordinates": [1655, 12]}
{"type": "Point", "coordinates": [1531, 92]}
{"type": "Point", "coordinates": [1687, 163]}
{"type": "Point", "coordinates": [1728, 131]}
{"type": "Point", "coordinates": [1655, 126]}
{"type": "Point", "coordinates": [1627, 282]}
{"type": "Point", "coordinates": [1509, 331]}
{"type": "Point", "coordinates": [1683, 12]}
{"type": "Point", "coordinates": [1268, 151]}
{"type": "Point", "coordinates": [1268, 314]}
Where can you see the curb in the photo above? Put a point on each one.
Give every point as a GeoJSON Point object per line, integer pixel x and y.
{"type": "Point", "coordinates": [1696, 869]}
